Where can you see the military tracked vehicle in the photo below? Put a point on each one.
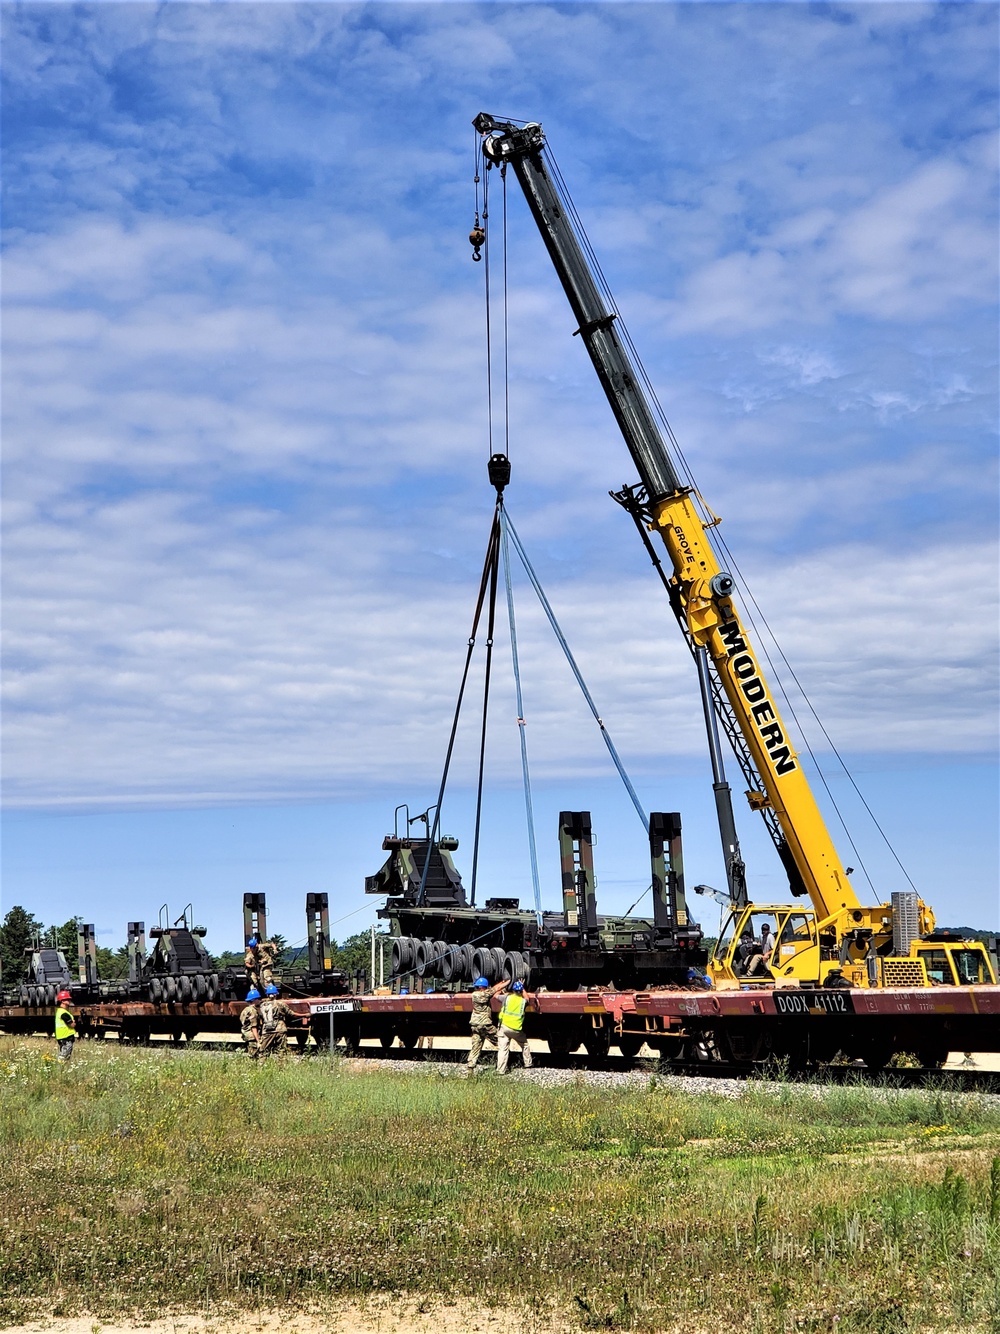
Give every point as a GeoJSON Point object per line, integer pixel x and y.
{"type": "Point", "coordinates": [440, 936]}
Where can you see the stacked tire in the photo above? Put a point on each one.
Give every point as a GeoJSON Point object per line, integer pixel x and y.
{"type": "Point", "coordinates": [403, 952]}
{"type": "Point", "coordinates": [456, 963]}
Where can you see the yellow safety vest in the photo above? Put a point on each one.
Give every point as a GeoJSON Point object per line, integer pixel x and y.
{"type": "Point", "coordinates": [63, 1029]}
{"type": "Point", "coordinates": [512, 1012]}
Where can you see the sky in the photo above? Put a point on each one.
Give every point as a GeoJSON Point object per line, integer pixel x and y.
{"type": "Point", "coordinates": [245, 435]}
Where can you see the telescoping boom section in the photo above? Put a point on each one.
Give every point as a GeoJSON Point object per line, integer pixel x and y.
{"type": "Point", "coordinates": [702, 589]}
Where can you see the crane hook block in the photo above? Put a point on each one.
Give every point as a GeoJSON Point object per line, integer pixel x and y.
{"type": "Point", "coordinates": [477, 239]}
{"type": "Point", "coordinates": [499, 470]}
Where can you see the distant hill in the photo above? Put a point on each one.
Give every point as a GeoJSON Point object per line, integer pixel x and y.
{"type": "Point", "coordinates": [973, 932]}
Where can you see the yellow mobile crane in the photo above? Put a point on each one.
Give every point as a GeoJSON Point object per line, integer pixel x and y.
{"type": "Point", "coordinates": [840, 939]}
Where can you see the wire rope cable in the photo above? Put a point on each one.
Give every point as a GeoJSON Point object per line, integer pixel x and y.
{"type": "Point", "coordinates": [433, 830]}
{"type": "Point", "coordinates": [719, 544]}
{"type": "Point", "coordinates": [489, 330]}
{"type": "Point", "coordinates": [491, 623]}
{"type": "Point", "coordinates": [526, 778]}
{"type": "Point", "coordinates": [508, 527]}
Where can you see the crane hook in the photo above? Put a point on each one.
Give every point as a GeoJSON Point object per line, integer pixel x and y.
{"type": "Point", "coordinates": [477, 239]}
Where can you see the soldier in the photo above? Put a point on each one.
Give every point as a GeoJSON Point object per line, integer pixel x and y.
{"type": "Point", "coordinates": [267, 952]}
{"type": "Point", "coordinates": [274, 1016]}
{"type": "Point", "coordinates": [512, 1027]}
{"type": "Point", "coordinates": [65, 1027]}
{"type": "Point", "coordinates": [250, 1024]}
{"type": "Point", "coordinates": [250, 964]}
{"type": "Point", "coordinates": [482, 1023]}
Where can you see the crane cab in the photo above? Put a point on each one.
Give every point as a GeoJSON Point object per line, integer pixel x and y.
{"type": "Point", "coordinates": [941, 959]}
{"type": "Point", "coordinates": [763, 942]}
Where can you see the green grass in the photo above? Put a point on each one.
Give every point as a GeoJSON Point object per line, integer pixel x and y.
{"type": "Point", "coordinates": [131, 1181]}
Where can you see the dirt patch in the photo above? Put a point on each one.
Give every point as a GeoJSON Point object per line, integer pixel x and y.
{"type": "Point", "coordinates": [382, 1316]}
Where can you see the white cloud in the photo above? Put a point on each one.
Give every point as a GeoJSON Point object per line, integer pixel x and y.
{"type": "Point", "coordinates": [244, 377]}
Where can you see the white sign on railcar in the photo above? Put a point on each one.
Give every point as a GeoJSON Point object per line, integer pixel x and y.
{"type": "Point", "coordinates": [333, 1007]}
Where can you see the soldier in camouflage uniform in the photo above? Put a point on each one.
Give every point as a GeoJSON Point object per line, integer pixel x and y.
{"type": "Point", "coordinates": [267, 952]}
{"type": "Point", "coordinates": [274, 1017]}
{"type": "Point", "coordinates": [483, 1023]}
{"type": "Point", "coordinates": [250, 964]}
{"type": "Point", "coordinates": [250, 1029]}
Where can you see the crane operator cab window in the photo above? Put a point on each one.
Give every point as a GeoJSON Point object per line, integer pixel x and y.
{"type": "Point", "coordinates": [973, 968]}
{"type": "Point", "coordinates": [797, 934]}
{"type": "Point", "coordinates": [938, 967]}
{"type": "Point", "coordinates": [753, 948]}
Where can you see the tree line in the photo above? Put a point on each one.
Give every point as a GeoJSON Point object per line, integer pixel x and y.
{"type": "Point", "coordinates": [20, 931]}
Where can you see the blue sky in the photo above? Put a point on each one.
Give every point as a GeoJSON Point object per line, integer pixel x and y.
{"type": "Point", "coordinates": [245, 428]}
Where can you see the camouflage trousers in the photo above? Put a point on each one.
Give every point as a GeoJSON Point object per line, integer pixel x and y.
{"type": "Point", "coordinates": [253, 1048]}
{"type": "Point", "coordinates": [266, 976]}
{"type": "Point", "coordinates": [481, 1037]}
{"type": "Point", "coordinates": [274, 1043]}
{"type": "Point", "coordinates": [65, 1049]}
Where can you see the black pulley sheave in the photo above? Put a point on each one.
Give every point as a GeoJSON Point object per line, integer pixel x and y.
{"type": "Point", "coordinates": [499, 470]}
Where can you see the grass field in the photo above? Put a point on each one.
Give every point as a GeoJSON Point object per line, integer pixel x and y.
{"type": "Point", "coordinates": [133, 1182]}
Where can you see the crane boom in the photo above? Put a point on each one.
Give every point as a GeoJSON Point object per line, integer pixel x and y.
{"type": "Point", "coordinates": [703, 589]}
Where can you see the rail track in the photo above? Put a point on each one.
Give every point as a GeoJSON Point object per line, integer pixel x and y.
{"type": "Point", "coordinates": [961, 1080]}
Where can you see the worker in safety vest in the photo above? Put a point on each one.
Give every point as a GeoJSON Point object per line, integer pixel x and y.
{"type": "Point", "coordinates": [65, 1027]}
{"type": "Point", "coordinates": [512, 1027]}
{"type": "Point", "coordinates": [482, 1023]}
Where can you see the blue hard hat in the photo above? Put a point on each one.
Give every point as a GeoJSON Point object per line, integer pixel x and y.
{"type": "Point", "coordinates": [404, 991]}
{"type": "Point", "coordinates": [517, 986]}
{"type": "Point", "coordinates": [271, 990]}
{"type": "Point", "coordinates": [252, 943]}
{"type": "Point", "coordinates": [481, 982]}
{"type": "Point", "coordinates": [253, 994]}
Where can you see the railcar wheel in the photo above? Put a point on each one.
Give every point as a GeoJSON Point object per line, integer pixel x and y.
{"type": "Point", "coordinates": [745, 1048]}
{"type": "Point", "coordinates": [932, 1058]}
{"type": "Point", "coordinates": [386, 1040]}
{"type": "Point", "coordinates": [628, 1044]}
{"type": "Point", "coordinates": [562, 1041]}
{"type": "Point", "coordinates": [597, 1041]}
{"type": "Point", "coordinates": [408, 1040]}
{"type": "Point", "coordinates": [877, 1055]}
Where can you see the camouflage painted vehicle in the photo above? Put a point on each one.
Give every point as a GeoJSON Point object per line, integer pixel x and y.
{"type": "Point", "coordinates": [439, 936]}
